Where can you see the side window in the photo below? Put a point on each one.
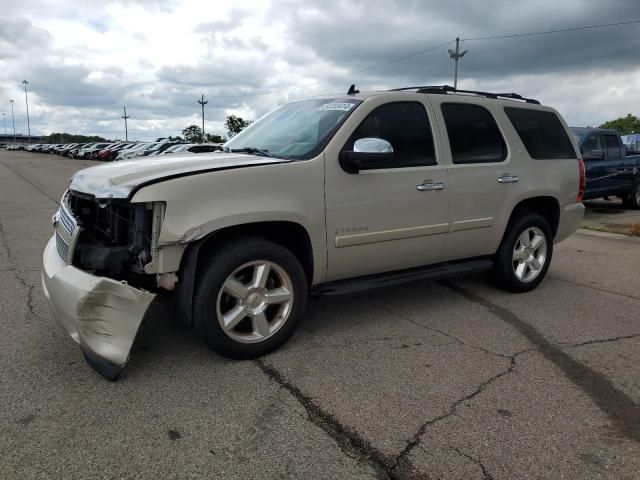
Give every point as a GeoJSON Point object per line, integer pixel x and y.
{"type": "Point", "coordinates": [542, 133]}
{"type": "Point", "coordinates": [405, 125]}
{"type": "Point", "coordinates": [473, 134]}
{"type": "Point", "coordinates": [591, 143]}
{"type": "Point", "coordinates": [613, 147]}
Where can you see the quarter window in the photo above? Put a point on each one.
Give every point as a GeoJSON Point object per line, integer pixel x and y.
{"type": "Point", "coordinates": [542, 133]}
{"type": "Point", "coordinates": [405, 125]}
{"type": "Point", "coordinates": [473, 134]}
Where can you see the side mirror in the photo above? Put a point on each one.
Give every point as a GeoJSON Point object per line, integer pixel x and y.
{"type": "Point", "coordinates": [367, 154]}
{"type": "Point", "coordinates": [596, 155]}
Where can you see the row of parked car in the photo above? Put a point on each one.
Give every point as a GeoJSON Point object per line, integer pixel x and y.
{"type": "Point", "coordinates": [109, 152]}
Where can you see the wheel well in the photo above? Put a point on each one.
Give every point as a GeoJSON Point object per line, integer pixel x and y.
{"type": "Point", "coordinates": [547, 207]}
{"type": "Point", "coordinates": [290, 235]}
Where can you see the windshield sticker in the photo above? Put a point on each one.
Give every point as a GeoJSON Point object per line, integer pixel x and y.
{"type": "Point", "coordinates": [340, 107]}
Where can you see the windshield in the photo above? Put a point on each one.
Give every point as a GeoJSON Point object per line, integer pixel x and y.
{"type": "Point", "coordinates": [298, 130]}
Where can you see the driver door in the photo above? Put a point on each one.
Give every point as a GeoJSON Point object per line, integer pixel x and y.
{"type": "Point", "coordinates": [392, 216]}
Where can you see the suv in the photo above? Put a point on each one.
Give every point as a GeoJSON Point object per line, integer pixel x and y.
{"type": "Point", "coordinates": [322, 196]}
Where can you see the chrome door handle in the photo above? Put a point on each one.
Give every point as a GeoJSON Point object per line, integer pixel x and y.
{"type": "Point", "coordinates": [508, 179]}
{"type": "Point", "coordinates": [429, 186]}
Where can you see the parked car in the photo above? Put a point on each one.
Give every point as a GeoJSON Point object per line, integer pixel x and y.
{"type": "Point", "coordinates": [133, 151]}
{"type": "Point", "coordinates": [67, 148]}
{"type": "Point", "coordinates": [327, 195]}
{"type": "Point", "coordinates": [196, 148]}
{"type": "Point", "coordinates": [610, 169]}
{"type": "Point", "coordinates": [109, 154]}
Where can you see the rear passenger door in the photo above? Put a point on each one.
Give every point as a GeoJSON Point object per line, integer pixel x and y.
{"type": "Point", "coordinates": [619, 179]}
{"type": "Point", "coordinates": [481, 177]}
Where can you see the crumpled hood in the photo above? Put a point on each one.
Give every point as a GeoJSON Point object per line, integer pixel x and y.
{"type": "Point", "coordinates": [118, 179]}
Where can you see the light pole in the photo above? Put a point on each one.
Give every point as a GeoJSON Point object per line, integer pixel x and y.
{"type": "Point", "coordinates": [203, 103]}
{"type": "Point", "coordinates": [13, 121]}
{"type": "Point", "coordinates": [4, 122]}
{"type": "Point", "coordinates": [126, 131]}
{"type": "Point", "coordinates": [26, 101]}
{"type": "Point", "coordinates": [456, 55]}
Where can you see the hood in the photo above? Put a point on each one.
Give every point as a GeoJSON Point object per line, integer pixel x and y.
{"type": "Point", "coordinates": [119, 179]}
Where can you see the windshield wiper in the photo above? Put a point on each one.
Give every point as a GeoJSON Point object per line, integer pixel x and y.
{"type": "Point", "coordinates": [251, 150]}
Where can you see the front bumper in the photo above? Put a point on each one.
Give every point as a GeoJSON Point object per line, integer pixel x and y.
{"type": "Point", "coordinates": [101, 314]}
{"type": "Point", "coordinates": [570, 219]}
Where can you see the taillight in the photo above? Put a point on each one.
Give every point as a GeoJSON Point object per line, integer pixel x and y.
{"type": "Point", "coordinates": [583, 180]}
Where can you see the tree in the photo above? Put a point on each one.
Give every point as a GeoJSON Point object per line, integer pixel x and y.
{"type": "Point", "coordinates": [214, 138]}
{"type": "Point", "coordinates": [624, 125]}
{"type": "Point", "coordinates": [70, 138]}
{"type": "Point", "coordinates": [236, 124]}
{"type": "Point", "coordinates": [192, 133]}
{"type": "Point", "coordinates": [177, 138]}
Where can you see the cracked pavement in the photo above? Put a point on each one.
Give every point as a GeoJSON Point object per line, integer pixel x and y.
{"type": "Point", "coordinates": [451, 379]}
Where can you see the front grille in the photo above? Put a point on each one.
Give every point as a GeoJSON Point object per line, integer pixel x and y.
{"type": "Point", "coordinates": [62, 247]}
{"type": "Point", "coordinates": [67, 221]}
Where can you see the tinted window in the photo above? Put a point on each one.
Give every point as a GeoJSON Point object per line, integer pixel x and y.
{"type": "Point", "coordinates": [542, 133]}
{"type": "Point", "coordinates": [473, 134]}
{"type": "Point", "coordinates": [612, 145]}
{"type": "Point", "coordinates": [405, 126]}
{"type": "Point", "coordinates": [592, 142]}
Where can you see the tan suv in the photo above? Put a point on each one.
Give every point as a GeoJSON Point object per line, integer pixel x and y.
{"type": "Point", "coordinates": [323, 196]}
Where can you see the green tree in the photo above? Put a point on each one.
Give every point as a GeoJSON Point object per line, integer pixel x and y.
{"type": "Point", "coordinates": [177, 138]}
{"type": "Point", "coordinates": [624, 125]}
{"type": "Point", "coordinates": [192, 133]}
{"type": "Point", "coordinates": [236, 124]}
{"type": "Point", "coordinates": [70, 138]}
{"type": "Point", "coordinates": [209, 137]}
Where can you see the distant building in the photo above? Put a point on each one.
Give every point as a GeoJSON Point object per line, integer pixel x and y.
{"type": "Point", "coordinates": [19, 138]}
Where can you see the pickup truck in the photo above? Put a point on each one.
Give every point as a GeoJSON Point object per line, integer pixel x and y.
{"type": "Point", "coordinates": [322, 196]}
{"type": "Point", "coordinates": [611, 170]}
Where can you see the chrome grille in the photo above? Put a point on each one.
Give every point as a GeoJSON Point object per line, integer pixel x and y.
{"type": "Point", "coordinates": [62, 247]}
{"type": "Point", "coordinates": [66, 216]}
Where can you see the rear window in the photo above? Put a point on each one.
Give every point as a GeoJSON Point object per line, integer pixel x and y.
{"type": "Point", "coordinates": [543, 135]}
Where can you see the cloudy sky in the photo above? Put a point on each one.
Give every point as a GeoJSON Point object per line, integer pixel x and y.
{"type": "Point", "coordinates": [85, 59]}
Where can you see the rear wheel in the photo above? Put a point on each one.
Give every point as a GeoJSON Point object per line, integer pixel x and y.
{"type": "Point", "coordinates": [632, 201]}
{"type": "Point", "coordinates": [523, 258]}
{"type": "Point", "coordinates": [250, 298]}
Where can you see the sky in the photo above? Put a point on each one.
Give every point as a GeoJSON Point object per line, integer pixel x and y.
{"type": "Point", "coordinates": [85, 59]}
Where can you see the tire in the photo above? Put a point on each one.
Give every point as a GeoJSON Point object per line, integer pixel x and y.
{"type": "Point", "coordinates": [235, 290]}
{"type": "Point", "coordinates": [515, 269]}
{"type": "Point", "coordinates": [632, 201]}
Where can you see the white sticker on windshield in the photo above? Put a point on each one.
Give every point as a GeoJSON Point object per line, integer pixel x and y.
{"type": "Point", "coordinates": [340, 107]}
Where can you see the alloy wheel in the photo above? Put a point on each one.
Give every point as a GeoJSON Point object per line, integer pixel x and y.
{"type": "Point", "coordinates": [529, 254]}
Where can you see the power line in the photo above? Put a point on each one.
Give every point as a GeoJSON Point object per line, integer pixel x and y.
{"type": "Point", "coordinates": [380, 65]}
{"type": "Point", "coordinates": [572, 29]}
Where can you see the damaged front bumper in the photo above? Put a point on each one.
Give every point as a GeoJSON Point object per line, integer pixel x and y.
{"type": "Point", "coordinates": [102, 315]}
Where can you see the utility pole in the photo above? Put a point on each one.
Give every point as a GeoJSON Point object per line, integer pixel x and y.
{"type": "Point", "coordinates": [126, 131]}
{"type": "Point", "coordinates": [13, 121]}
{"type": "Point", "coordinates": [456, 56]}
{"type": "Point", "coordinates": [203, 103]}
{"type": "Point", "coordinates": [26, 101]}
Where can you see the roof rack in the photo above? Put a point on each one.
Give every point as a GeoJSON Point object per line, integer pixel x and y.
{"type": "Point", "coordinates": [445, 89]}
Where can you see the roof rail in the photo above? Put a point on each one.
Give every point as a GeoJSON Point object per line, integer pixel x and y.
{"type": "Point", "coordinates": [445, 89]}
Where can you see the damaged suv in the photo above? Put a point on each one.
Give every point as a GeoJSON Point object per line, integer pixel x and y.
{"type": "Point", "coordinates": [322, 196]}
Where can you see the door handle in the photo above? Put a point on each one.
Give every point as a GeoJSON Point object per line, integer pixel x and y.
{"type": "Point", "coordinates": [428, 186]}
{"type": "Point", "coordinates": [508, 179]}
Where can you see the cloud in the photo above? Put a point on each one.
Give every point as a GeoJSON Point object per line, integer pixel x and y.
{"type": "Point", "coordinates": [86, 59]}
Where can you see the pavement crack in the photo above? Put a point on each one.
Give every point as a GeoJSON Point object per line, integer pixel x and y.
{"type": "Point", "coordinates": [623, 412]}
{"type": "Point", "coordinates": [31, 183]}
{"type": "Point", "coordinates": [5, 244]}
{"type": "Point", "coordinates": [30, 298]}
{"type": "Point", "coordinates": [401, 463]}
{"type": "Point", "coordinates": [485, 472]}
{"type": "Point", "coordinates": [598, 340]}
{"type": "Point", "coordinates": [457, 340]}
{"type": "Point", "coordinates": [593, 287]}
{"type": "Point", "coordinates": [349, 441]}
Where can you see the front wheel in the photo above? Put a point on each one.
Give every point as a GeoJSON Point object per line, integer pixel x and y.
{"type": "Point", "coordinates": [523, 258]}
{"type": "Point", "coordinates": [250, 298]}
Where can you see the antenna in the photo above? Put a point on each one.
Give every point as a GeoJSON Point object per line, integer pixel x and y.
{"type": "Point", "coordinates": [203, 102]}
{"type": "Point", "coordinates": [352, 90]}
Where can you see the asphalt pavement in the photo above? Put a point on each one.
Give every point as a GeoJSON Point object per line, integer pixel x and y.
{"type": "Point", "coordinates": [452, 380]}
